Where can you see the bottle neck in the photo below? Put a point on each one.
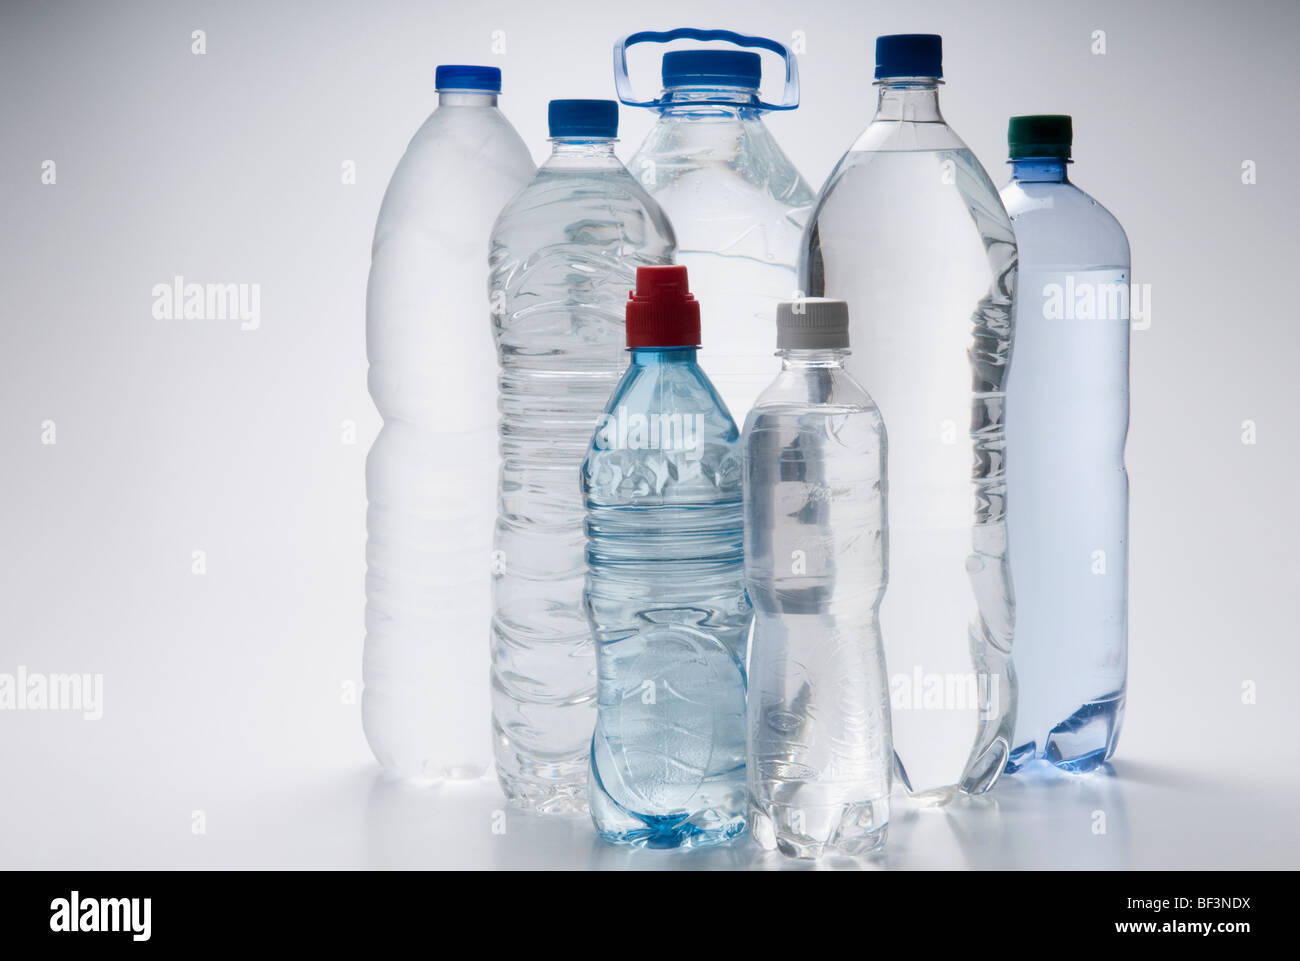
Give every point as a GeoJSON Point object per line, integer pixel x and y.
{"type": "Point", "coordinates": [1040, 170]}
{"type": "Point", "coordinates": [812, 359]}
{"type": "Point", "coordinates": [466, 98]}
{"type": "Point", "coordinates": [707, 103]}
{"type": "Point", "coordinates": [909, 99]}
{"type": "Point", "coordinates": [661, 356]}
{"type": "Point", "coordinates": [581, 153]}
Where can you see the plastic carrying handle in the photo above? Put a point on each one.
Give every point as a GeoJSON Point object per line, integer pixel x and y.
{"type": "Point", "coordinates": [623, 84]}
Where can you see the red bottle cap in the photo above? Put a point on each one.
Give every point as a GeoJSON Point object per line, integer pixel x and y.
{"type": "Point", "coordinates": [661, 312]}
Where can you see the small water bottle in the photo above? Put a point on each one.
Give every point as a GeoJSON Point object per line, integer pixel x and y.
{"type": "Point", "coordinates": [820, 754]}
{"type": "Point", "coordinates": [564, 253]}
{"type": "Point", "coordinates": [737, 203]}
{"type": "Point", "coordinates": [910, 231]}
{"type": "Point", "coordinates": [429, 477]}
{"type": "Point", "coordinates": [1067, 489]}
{"type": "Point", "coordinates": [665, 588]}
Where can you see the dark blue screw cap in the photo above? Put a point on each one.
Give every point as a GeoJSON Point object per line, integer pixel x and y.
{"type": "Point", "coordinates": [453, 76]}
{"type": "Point", "coordinates": [909, 55]}
{"type": "Point", "coordinates": [597, 119]}
{"type": "Point", "coordinates": [723, 68]}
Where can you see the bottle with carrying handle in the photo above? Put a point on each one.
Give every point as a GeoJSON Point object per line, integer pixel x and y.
{"type": "Point", "coordinates": [564, 253]}
{"type": "Point", "coordinates": [737, 203]}
{"type": "Point", "coordinates": [1067, 489]}
{"type": "Point", "coordinates": [910, 231]}
{"type": "Point", "coordinates": [429, 476]}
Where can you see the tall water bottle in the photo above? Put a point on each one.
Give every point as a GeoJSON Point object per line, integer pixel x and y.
{"type": "Point", "coordinates": [910, 231]}
{"type": "Point", "coordinates": [564, 253]}
{"type": "Point", "coordinates": [819, 746]}
{"type": "Point", "coordinates": [665, 588]}
{"type": "Point", "coordinates": [429, 474]}
{"type": "Point", "coordinates": [1067, 420]}
{"type": "Point", "coordinates": [737, 203]}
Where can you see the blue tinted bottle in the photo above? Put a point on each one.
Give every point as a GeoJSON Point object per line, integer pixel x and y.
{"type": "Point", "coordinates": [1067, 489]}
{"type": "Point", "coordinates": [665, 588]}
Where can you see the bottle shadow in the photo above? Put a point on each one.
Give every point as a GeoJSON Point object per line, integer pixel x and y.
{"type": "Point", "coordinates": [1038, 818]}
{"type": "Point", "coordinates": [1045, 818]}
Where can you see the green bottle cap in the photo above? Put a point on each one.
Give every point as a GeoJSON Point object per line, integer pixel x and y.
{"type": "Point", "coordinates": [1040, 135]}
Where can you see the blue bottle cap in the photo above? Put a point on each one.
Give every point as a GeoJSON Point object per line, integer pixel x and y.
{"type": "Point", "coordinates": [454, 76]}
{"type": "Point", "coordinates": [909, 55]}
{"type": "Point", "coordinates": [723, 68]}
{"type": "Point", "coordinates": [596, 119]}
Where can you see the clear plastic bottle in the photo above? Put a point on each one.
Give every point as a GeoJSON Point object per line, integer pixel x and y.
{"type": "Point", "coordinates": [1067, 421]}
{"type": "Point", "coordinates": [564, 253]}
{"type": "Point", "coordinates": [737, 203]}
{"type": "Point", "coordinates": [820, 754]}
{"type": "Point", "coordinates": [910, 231]}
{"type": "Point", "coordinates": [429, 477]}
{"type": "Point", "coordinates": [665, 588]}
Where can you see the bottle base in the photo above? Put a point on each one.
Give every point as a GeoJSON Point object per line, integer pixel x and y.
{"type": "Point", "coordinates": [615, 824]}
{"type": "Point", "coordinates": [701, 830]}
{"type": "Point", "coordinates": [851, 830]}
{"type": "Point", "coordinates": [1081, 743]}
{"type": "Point", "coordinates": [558, 788]}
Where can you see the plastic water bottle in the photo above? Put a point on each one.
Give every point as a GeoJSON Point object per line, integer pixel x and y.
{"type": "Point", "coordinates": [737, 203]}
{"type": "Point", "coordinates": [665, 588]}
{"type": "Point", "coordinates": [1067, 419]}
{"type": "Point", "coordinates": [910, 231]}
{"type": "Point", "coordinates": [819, 746]}
{"type": "Point", "coordinates": [564, 253]}
{"type": "Point", "coordinates": [429, 477]}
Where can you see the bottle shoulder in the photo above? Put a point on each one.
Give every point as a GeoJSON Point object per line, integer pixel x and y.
{"type": "Point", "coordinates": [563, 200]}
{"type": "Point", "coordinates": [739, 151]}
{"type": "Point", "coordinates": [901, 136]}
{"type": "Point", "coordinates": [1059, 224]}
{"type": "Point", "coordinates": [800, 392]}
{"type": "Point", "coordinates": [671, 388]}
{"type": "Point", "coordinates": [476, 138]}
{"type": "Point", "coordinates": [892, 168]}
{"type": "Point", "coordinates": [665, 437]}
{"type": "Point", "coordinates": [462, 165]}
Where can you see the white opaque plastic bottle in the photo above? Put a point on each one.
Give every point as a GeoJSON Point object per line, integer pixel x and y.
{"type": "Point", "coordinates": [910, 231]}
{"type": "Point", "coordinates": [1067, 489]}
{"type": "Point", "coordinates": [430, 477]}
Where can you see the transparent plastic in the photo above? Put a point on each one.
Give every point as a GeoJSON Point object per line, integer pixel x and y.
{"type": "Point", "coordinates": [910, 231]}
{"type": "Point", "coordinates": [820, 753]}
{"type": "Point", "coordinates": [1067, 422]}
{"type": "Point", "coordinates": [738, 206]}
{"type": "Point", "coordinates": [564, 254]}
{"type": "Point", "coordinates": [667, 605]}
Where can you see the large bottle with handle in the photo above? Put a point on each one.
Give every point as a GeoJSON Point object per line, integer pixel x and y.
{"type": "Point", "coordinates": [737, 203]}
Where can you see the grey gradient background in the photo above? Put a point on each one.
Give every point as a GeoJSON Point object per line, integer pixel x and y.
{"type": "Point", "coordinates": [225, 693]}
